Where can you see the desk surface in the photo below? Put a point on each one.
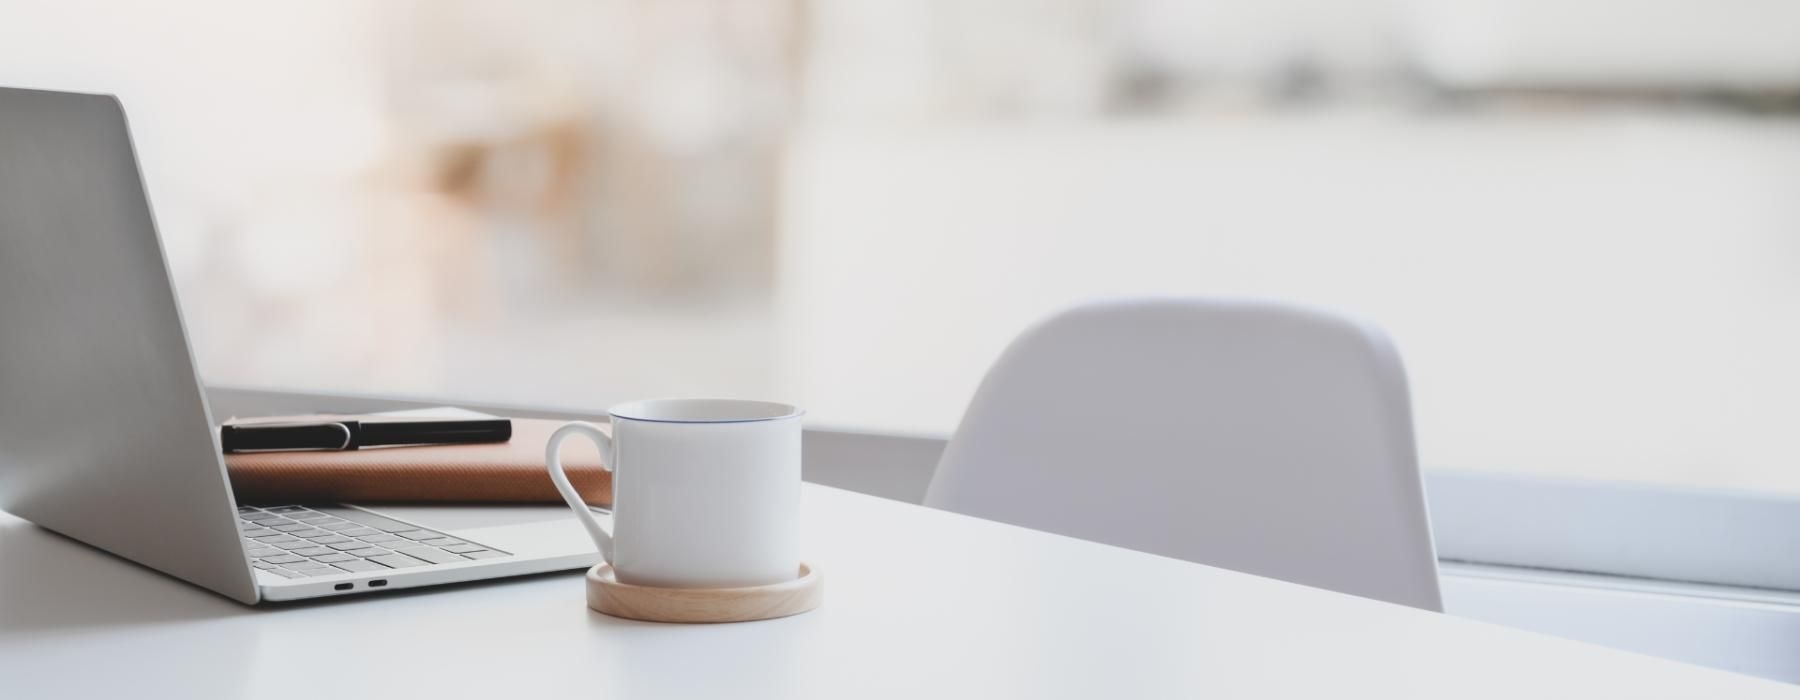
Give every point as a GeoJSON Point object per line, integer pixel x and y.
{"type": "Point", "coordinates": [919, 603]}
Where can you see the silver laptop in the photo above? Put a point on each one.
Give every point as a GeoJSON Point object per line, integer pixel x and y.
{"type": "Point", "coordinates": [105, 434]}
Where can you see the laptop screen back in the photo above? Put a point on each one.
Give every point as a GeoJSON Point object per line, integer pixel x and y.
{"type": "Point", "coordinates": [104, 431]}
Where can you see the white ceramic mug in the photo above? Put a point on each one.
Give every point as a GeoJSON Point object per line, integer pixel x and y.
{"type": "Point", "coordinates": [706, 492]}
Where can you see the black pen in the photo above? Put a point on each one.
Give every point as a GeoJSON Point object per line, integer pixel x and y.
{"type": "Point", "coordinates": [356, 434]}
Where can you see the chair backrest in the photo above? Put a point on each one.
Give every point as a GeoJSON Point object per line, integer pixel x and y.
{"type": "Point", "coordinates": [1252, 436]}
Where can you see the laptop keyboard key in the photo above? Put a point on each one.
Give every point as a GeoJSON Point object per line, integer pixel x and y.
{"type": "Point", "coordinates": [314, 551]}
{"type": "Point", "coordinates": [285, 572]}
{"type": "Point", "coordinates": [378, 537]}
{"type": "Point", "coordinates": [335, 557]}
{"type": "Point", "coordinates": [296, 544]}
{"type": "Point", "coordinates": [485, 554]}
{"type": "Point", "coordinates": [432, 554]}
{"type": "Point", "coordinates": [355, 564]}
{"type": "Point", "coordinates": [348, 546]}
{"type": "Point", "coordinates": [441, 541]}
{"type": "Point", "coordinates": [464, 548]}
{"type": "Point", "coordinates": [358, 531]}
{"type": "Point", "coordinates": [370, 519]}
{"type": "Point", "coordinates": [264, 552]}
{"type": "Point", "coordinates": [290, 527]}
{"type": "Point", "coordinates": [309, 534]}
{"type": "Point", "coordinates": [329, 539]}
{"type": "Point", "coordinates": [283, 559]}
{"type": "Point", "coordinates": [396, 561]}
{"type": "Point", "coordinates": [305, 565]}
{"type": "Point", "coordinates": [419, 535]}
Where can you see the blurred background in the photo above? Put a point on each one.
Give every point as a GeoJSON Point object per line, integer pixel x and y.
{"type": "Point", "coordinates": [1580, 219]}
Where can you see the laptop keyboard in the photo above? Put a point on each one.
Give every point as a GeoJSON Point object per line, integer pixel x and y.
{"type": "Point", "coordinates": [302, 542]}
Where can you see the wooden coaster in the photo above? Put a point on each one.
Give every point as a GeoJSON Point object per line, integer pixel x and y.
{"type": "Point", "coordinates": [607, 595]}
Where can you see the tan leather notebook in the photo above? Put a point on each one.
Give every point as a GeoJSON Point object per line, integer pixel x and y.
{"type": "Point", "coordinates": [510, 472]}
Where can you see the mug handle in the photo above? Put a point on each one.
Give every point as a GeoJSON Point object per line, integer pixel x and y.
{"type": "Point", "coordinates": [553, 459]}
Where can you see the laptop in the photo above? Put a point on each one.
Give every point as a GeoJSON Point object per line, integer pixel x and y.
{"type": "Point", "coordinates": [105, 433]}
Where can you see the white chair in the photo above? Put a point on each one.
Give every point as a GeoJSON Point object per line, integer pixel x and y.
{"type": "Point", "coordinates": [1258, 437]}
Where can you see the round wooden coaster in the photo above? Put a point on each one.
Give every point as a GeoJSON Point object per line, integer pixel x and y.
{"type": "Point", "coordinates": [607, 595]}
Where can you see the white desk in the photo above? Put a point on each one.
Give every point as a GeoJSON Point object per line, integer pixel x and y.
{"type": "Point", "coordinates": [919, 603]}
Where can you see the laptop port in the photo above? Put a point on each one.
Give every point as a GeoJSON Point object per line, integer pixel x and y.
{"type": "Point", "coordinates": [377, 583]}
{"type": "Point", "coordinates": [343, 586]}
